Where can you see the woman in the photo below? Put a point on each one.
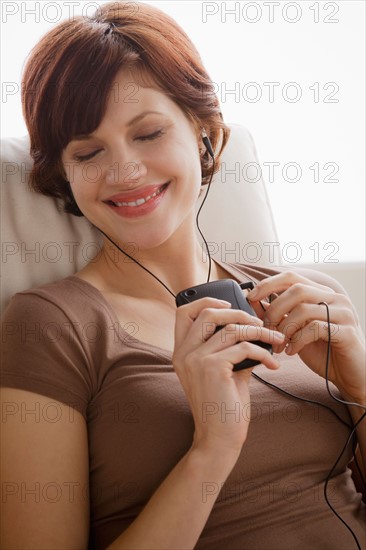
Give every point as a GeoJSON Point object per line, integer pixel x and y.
{"type": "Point", "coordinates": [157, 442]}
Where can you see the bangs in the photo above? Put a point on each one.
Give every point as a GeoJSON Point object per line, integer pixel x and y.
{"type": "Point", "coordinates": [82, 79]}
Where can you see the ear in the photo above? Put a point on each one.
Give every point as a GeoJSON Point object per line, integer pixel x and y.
{"type": "Point", "coordinates": [199, 135]}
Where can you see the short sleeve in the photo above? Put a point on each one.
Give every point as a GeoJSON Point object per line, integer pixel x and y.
{"type": "Point", "coordinates": [43, 351]}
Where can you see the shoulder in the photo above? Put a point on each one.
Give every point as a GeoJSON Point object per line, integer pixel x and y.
{"type": "Point", "coordinates": [68, 312]}
{"type": "Point", "coordinates": [67, 297]}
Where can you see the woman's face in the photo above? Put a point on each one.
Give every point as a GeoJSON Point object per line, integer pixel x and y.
{"type": "Point", "coordinates": [138, 176]}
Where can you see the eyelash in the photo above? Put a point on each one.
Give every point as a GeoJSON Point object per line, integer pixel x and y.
{"type": "Point", "coordinates": [149, 137]}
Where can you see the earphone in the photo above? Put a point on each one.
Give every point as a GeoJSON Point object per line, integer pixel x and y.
{"type": "Point", "coordinates": [207, 143]}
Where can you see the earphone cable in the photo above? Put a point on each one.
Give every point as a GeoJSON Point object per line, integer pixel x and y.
{"type": "Point", "coordinates": [327, 367]}
{"type": "Point", "coordinates": [352, 435]}
{"type": "Point", "coordinates": [134, 260]}
{"type": "Point", "coordinates": [197, 223]}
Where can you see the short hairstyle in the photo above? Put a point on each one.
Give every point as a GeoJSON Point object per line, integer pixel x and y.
{"type": "Point", "coordinates": [69, 75]}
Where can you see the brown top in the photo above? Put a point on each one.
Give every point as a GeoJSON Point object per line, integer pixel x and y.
{"type": "Point", "coordinates": [64, 341]}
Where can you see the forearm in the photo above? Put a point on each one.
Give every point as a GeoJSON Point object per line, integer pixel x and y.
{"type": "Point", "coordinates": [176, 514]}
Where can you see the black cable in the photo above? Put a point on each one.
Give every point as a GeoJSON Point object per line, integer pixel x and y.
{"type": "Point", "coordinates": [329, 477]}
{"type": "Point", "coordinates": [362, 479]}
{"type": "Point", "coordinates": [327, 366]}
{"type": "Point", "coordinates": [138, 263]}
{"type": "Point", "coordinates": [198, 213]}
{"type": "Point", "coordinates": [341, 400]}
{"type": "Point", "coordinates": [312, 402]}
{"type": "Point", "coordinates": [352, 435]}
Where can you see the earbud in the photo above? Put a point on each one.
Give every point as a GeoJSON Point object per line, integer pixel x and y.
{"type": "Point", "coordinates": [207, 143]}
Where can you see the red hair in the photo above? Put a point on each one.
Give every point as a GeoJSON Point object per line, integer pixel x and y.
{"type": "Point", "coordinates": [70, 72]}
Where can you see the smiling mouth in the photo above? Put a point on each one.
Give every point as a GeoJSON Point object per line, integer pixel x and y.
{"type": "Point", "coordinates": [139, 202]}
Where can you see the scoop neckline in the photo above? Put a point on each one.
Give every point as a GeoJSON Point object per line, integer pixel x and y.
{"type": "Point", "coordinates": [138, 343]}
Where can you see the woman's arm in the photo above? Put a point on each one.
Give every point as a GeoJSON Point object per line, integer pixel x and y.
{"type": "Point", "coordinates": [44, 474]}
{"type": "Point", "coordinates": [300, 312]}
{"type": "Point", "coordinates": [45, 484]}
{"type": "Point", "coordinates": [356, 412]}
{"type": "Point", "coordinates": [177, 512]}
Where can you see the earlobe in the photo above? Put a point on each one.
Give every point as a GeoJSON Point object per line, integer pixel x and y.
{"type": "Point", "coordinates": [201, 145]}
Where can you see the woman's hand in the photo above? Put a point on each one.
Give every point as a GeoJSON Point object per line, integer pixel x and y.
{"type": "Point", "coordinates": [299, 314]}
{"type": "Point", "coordinates": [219, 398]}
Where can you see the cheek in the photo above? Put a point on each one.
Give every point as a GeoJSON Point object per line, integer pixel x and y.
{"type": "Point", "coordinates": [85, 183]}
{"type": "Point", "coordinates": [183, 159]}
{"type": "Point", "coordinates": [73, 172]}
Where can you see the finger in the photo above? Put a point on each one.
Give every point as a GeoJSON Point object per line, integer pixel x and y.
{"type": "Point", "coordinates": [279, 283]}
{"type": "Point", "coordinates": [298, 293]}
{"type": "Point", "coordinates": [187, 314]}
{"type": "Point", "coordinates": [209, 319]}
{"type": "Point", "coordinates": [244, 350]}
{"type": "Point", "coordinates": [232, 334]}
{"type": "Point", "coordinates": [292, 323]}
{"type": "Point", "coordinates": [316, 330]}
{"type": "Point", "coordinates": [305, 313]}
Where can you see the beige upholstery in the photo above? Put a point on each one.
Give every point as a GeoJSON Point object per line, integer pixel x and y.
{"type": "Point", "coordinates": [42, 244]}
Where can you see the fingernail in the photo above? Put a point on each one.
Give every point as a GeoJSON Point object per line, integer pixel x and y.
{"type": "Point", "coordinates": [253, 293]}
{"type": "Point", "coordinates": [225, 302]}
{"type": "Point", "coordinates": [289, 349]}
{"type": "Point", "coordinates": [279, 335]}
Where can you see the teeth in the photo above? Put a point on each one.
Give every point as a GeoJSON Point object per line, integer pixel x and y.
{"type": "Point", "coordinates": [140, 201]}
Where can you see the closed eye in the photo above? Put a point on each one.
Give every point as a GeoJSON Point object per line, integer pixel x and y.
{"type": "Point", "coordinates": [84, 158]}
{"type": "Point", "coordinates": [151, 136]}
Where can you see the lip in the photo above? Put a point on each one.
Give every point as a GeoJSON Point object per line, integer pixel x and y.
{"type": "Point", "coordinates": [142, 209]}
{"type": "Point", "coordinates": [133, 196]}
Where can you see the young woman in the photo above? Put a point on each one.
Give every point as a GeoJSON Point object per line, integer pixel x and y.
{"type": "Point", "coordinates": [157, 443]}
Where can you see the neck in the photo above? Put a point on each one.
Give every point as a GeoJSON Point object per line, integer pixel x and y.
{"type": "Point", "coordinates": [178, 263]}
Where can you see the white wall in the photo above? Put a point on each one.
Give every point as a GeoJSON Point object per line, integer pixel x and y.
{"type": "Point", "coordinates": [297, 73]}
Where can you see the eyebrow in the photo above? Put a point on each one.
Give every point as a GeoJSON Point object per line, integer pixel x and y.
{"type": "Point", "coordinates": [84, 137]}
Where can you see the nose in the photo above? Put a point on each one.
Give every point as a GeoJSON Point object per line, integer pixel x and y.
{"type": "Point", "coordinates": [127, 174]}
